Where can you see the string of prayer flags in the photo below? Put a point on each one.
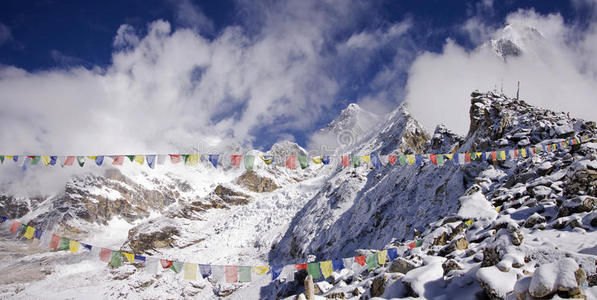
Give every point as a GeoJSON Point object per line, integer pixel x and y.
{"type": "Point", "coordinates": [99, 160]}
{"type": "Point", "coordinates": [45, 160]}
{"type": "Point", "coordinates": [1, 159]}
{"type": "Point", "coordinates": [64, 244]}
{"type": "Point", "coordinates": [161, 159]}
{"type": "Point", "coordinates": [69, 161]}
{"type": "Point", "coordinates": [54, 242]}
{"type": "Point", "coordinates": [249, 160]}
{"type": "Point", "coordinates": [213, 158]}
{"type": "Point", "coordinates": [366, 158]}
{"type": "Point", "coordinates": [303, 161]}
{"type": "Point", "coordinates": [393, 253]}
{"type": "Point", "coordinates": [260, 270]}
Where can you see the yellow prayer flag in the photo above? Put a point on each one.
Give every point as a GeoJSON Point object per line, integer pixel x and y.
{"type": "Point", "coordinates": [73, 246]}
{"type": "Point", "coordinates": [449, 156]}
{"type": "Point", "coordinates": [497, 209]}
{"type": "Point", "coordinates": [523, 152]}
{"type": "Point", "coordinates": [469, 222]}
{"type": "Point", "coordinates": [503, 155]}
{"type": "Point", "coordinates": [140, 159]}
{"type": "Point", "coordinates": [260, 270]}
{"type": "Point", "coordinates": [366, 158]}
{"type": "Point", "coordinates": [129, 256]}
{"type": "Point", "coordinates": [29, 232]}
{"type": "Point", "coordinates": [410, 158]}
{"type": "Point", "coordinates": [316, 160]}
{"type": "Point", "coordinates": [326, 268]}
{"type": "Point", "coordinates": [381, 256]}
{"type": "Point", "coordinates": [190, 271]}
{"type": "Point", "coordinates": [45, 160]}
{"type": "Point", "coordinates": [9, 156]}
{"type": "Point", "coordinates": [193, 159]}
{"type": "Point", "coordinates": [93, 157]}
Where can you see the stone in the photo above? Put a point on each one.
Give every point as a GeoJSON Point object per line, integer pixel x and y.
{"type": "Point", "coordinates": [516, 237]}
{"type": "Point", "coordinates": [577, 205]}
{"type": "Point", "coordinates": [450, 265]}
{"type": "Point", "coordinates": [256, 183]}
{"type": "Point", "coordinates": [401, 265]}
{"type": "Point", "coordinates": [594, 222]}
{"type": "Point", "coordinates": [336, 295]}
{"type": "Point", "coordinates": [163, 237]}
{"type": "Point", "coordinates": [533, 220]}
{"type": "Point", "coordinates": [556, 277]}
{"type": "Point", "coordinates": [378, 286]}
{"type": "Point", "coordinates": [490, 257]}
{"type": "Point", "coordinates": [458, 244]}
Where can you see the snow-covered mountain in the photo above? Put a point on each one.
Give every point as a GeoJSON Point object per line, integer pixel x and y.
{"type": "Point", "coordinates": [271, 215]}
{"type": "Point", "coordinates": [515, 40]}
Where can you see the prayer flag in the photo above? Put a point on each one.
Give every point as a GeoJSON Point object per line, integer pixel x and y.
{"type": "Point", "coordinates": [131, 158]}
{"type": "Point", "coordinates": [381, 256]}
{"type": "Point", "coordinates": [455, 159]}
{"type": "Point", "coordinates": [139, 258]}
{"type": "Point", "coordinates": [190, 271]}
{"type": "Point", "coordinates": [267, 159]}
{"type": "Point", "coordinates": [69, 161]}
{"type": "Point", "coordinates": [502, 155]}
{"type": "Point", "coordinates": [1, 159]}
{"type": "Point", "coordinates": [467, 157]}
{"type": "Point", "coordinates": [440, 160]}
{"type": "Point", "coordinates": [260, 270]}
{"type": "Point", "coordinates": [166, 264]}
{"type": "Point", "coordinates": [64, 244]}
{"type": "Point", "coordinates": [118, 160]}
{"type": "Point", "coordinates": [54, 242]}
{"type": "Point", "coordinates": [355, 161]}
{"type": "Point", "coordinates": [53, 160]}
{"type": "Point", "coordinates": [461, 158]}
{"type": "Point", "coordinates": [345, 160]}
{"type": "Point", "coordinates": [291, 162]}
{"type": "Point", "coordinates": [15, 158]}
{"type": "Point", "coordinates": [433, 159]}
{"type": "Point", "coordinates": [81, 160]}
{"type": "Point", "coordinates": [87, 246]}
{"type": "Point", "coordinates": [326, 268]}
{"type": "Point", "coordinates": [325, 160]}
{"type": "Point", "coordinates": [14, 226]}
{"type": "Point", "coordinates": [392, 159]}
{"type": "Point", "coordinates": [174, 158]}
{"type": "Point", "coordinates": [38, 233]}
{"type": "Point", "coordinates": [338, 264]}
{"type": "Point", "coordinates": [45, 160]}
{"type": "Point", "coordinates": [150, 161]}
{"type": "Point", "coordinates": [3, 219]}
{"type": "Point", "coordinates": [192, 159]}
{"type": "Point", "coordinates": [411, 245]}
{"type": "Point", "coordinates": [375, 161]}
{"type": "Point", "coordinates": [249, 159]}
{"type": "Point", "coordinates": [129, 256]}
{"type": "Point", "coordinates": [366, 158]}
{"type": "Point", "coordinates": [483, 156]}
{"type": "Point", "coordinates": [288, 273]}
{"type": "Point", "coordinates": [205, 270]}
{"type": "Point", "coordinates": [231, 274]}
{"type": "Point", "coordinates": [300, 266]}
{"type": "Point", "coordinates": [493, 155]}
{"type": "Point", "coordinates": [29, 232]}
{"type": "Point", "coordinates": [34, 159]}
{"type": "Point", "coordinates": [418, 243]}
{"type": "Point", "coordinates": [140, 159]}
{"type": "Point", "coordinates": [316, 160]}
{"type": "Point", "coordinates": [73, 246]}
{"type": "Point", "coordinates": [99, 160]}
{"type": "Point", "coordinates": [161, 159]}
{"type": "Point", "coordinates": [371, 261]}
{"type": "Point", "coordinates": [176, 266]}
{"type": "Point", "coordinates": [244, 274]}
{"type": "Point", "coordinates": [105, 255]}
{"type": "Point", "coordinates": [418, 159]}
{"type": "Point", "coordinates": [393, 253]}
{"type": "Point", "coordinates": [303, 161]}
{"type": "Point", "coordinates": [235, 160]}
{"type": "Point", "coordinates": [218, 273]}
{"type": "Point", "coordinates": [523, 152]}
{"type": "Point", "coordinates": [360, 260]}
{"type": "Point", "coordinates": [115, 259]}
{"type": "Point", "coordinates": [469, 222]}
{"type": "Point", "coordinates": [276, 270]}
{"type": "Point", "coordinates": [213, 158]}
{"type": "Point", "coordinates": [313, 270]}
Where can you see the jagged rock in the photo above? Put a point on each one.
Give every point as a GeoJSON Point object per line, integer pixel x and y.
{"type": "Point", "coordinates": [336, 295]}
{"type": "Point", "coordinates": [533, 220]}
{"type": "Point", "coordinates": [378, 286]}
{"type": "Point", "coordinates": [541, 192]}
{"type": "Point", "coordinates": [450, 265]}
{"type": "Point", "coordinates": [577, 205]}
{"type": "Point", "coordinates": [141, 239]}
{"type": "Point", "coordinates": [458, 244]}
{"type": "Point", "coordinates": [123, 272]}
{"type": "Point", "coordinates": [13, 208]}
{"type": "Point", "coordinates": [563, 276]}
{"type": "Point", "coordinates": [401, 265]}
{"type": "Point", "coordinates": [256, 183]}
{"type": "Point", "coordinates": [358, 291]}
{"type": "Point", "coordinates": [230, 196]}
{"type": "Point", "coordinates": [592, 280]}
{"type": "Point", "coordinates": [516, 237]}
{"type": "Point", "coordinates": [490, 257]}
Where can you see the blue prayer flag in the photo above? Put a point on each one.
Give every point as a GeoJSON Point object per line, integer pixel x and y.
{"type": "Point", "coordinates": [455, 158]}
{"type": "Point", "coordinates": [38, 233]}
{"type": "Point", "coordinates": [325, 160]}
{"type": "Point", "coordinates": [393, 253]}
{"type": "Point", "coordinates": [150, 160]}
{"type": "Point", "coordinates": [276, 271]}
{"type": "Point", "coordinates": [337, 265]}
{"type": "Point", "coordinates": [99, 160]}
{"type": "Point", "coordinates": [15, 158]}
{"type": "Point", "coordinates": [418, 160]}
{"type": "Point", "coordinates": [483, 156]}
{"type": "Point", "coordinates": [205, 270]}
{"type": "Point", "coordinates": [3, 219]}
{"type": "Point", "coordinates": [213, 158]}
{"type": "Point", "coordinates": [53, 160]}
{"type": "Point", "coordinates": [139, 258]}
{"type": "Point", "coordinates": [375, 160]}
{"type": "Point", "coordinates": [87, 246]}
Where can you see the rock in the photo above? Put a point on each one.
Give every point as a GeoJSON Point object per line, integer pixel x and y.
{"type": "Point", "coordinates": [256, 183]}
{"type": "Point", "coordinates": [516, 237]}
{"type": "Point", "coordinates": [541, 192]}
{"type": "Point", "coordinates": [490, 257]}
{"type": "Point", "coordinates": [533, 220]}
{"type": "Point", "coordinates": [594, 222]}
{"type": "Point", "coordinates": [450, 265]}
{"type": "Point", "coordinates": [577, 205]}
{"type": "Point", "coordinates": [378, 286]}
{"type": "Point", "coordinates": [410, 292]}
{"type": "Point", "coordinates": [337, 295]}
{"type": "Point", "coordinates": [143, 238]}
{"type": "Point", "coordinates": [358, 291]}
{"type": "Point", "coordinates": [458, 244]}
{"type": "Point", "coordinates": [401, 265]}
{"type": "Point", "coordinates": [495, 283]}
{"type": "Point", "coordinates": [563, 276]}
{"type": "Point", "coordinates": [592, 280]}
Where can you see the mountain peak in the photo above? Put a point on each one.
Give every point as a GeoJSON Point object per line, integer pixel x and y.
{"type": "Point", "coordinates": [514, 40]}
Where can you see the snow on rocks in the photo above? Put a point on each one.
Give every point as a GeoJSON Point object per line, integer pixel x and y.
{"type": "Point", "coordinates": [496, 283]}
{"type": "Point", "coordinates": [563, 275]}
{"type": "Point", "coordinates": [475, 205]}
{"type": "Point", "coordinates": [420, 279]}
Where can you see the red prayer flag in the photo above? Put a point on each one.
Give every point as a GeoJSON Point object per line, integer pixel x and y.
{"type": "Point", "coordinates": [54, 242]}
{"type": "Point", "coordinates": [345, 160]}
{"type": "Point", "coordinates": [392, 159]}
{"type": "Point", "coordinates": [69, 161]}
{"type": "Point", "coordinates": [235, 160]}
{"type": "Point", "coordinates": [14, 226]}
{"type": "Point", "coordinates": [118, 160]}
{"type": "Point", "coordinates": [433, 158]}
{"type": "Point", "coordinates": [166, 263]}
{"type": "Point", "coordinates": [360, 260]}
{"type": "Point", "coordinates": [175, 158]}
{"type": "Point", "coordinates": [231, 274]}
{"type": "Point", "coordinates": [493, 155]}
{"type": "Point", "coordinates": [291, 162]}
{"type": "Point", "coordinates": [105, 255]}
{"type": "Point", "coordinates": [467, 157]}
{"type": "Point", "coordinates": [412, 245]}
{"type": "Point", "coordinates": [515, 153]}
{"type": "Point", "coordinates": [300, 266]}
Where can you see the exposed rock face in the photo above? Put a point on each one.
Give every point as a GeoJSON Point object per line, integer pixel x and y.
{"type": "Point", "coordinates": [401, 265]}
{"type": "Point", "coordinates": [256, 183]}
{"type": "Point", "coordinates": [378, 286]}
{"type": "Point", "coordinates": [490, 257]}
{"type": "Point", "coordinates": [143, 238]}
{"type": "Point", "coordinates": [13, 208]}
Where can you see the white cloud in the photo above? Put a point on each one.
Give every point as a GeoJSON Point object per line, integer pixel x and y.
{"type": "Point", "coordinates": [191, 15]}
{"type": "Point", "coordinates": [5, 34]}
{"type": "Point", "coordinates": [556, 71]}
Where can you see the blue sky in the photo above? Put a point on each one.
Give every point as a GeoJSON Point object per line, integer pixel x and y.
{"type": "Point", "coordinates": [169, 75]}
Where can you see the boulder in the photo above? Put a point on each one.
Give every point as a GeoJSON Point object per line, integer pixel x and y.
{"type": "Point", "coordinates": [401, 265]}
{"type": "Point", "coordinates": [563, 277]}
{"type": "Point", "coordinates": [256, 183]}
{"type": "Point", "coordinates": [457, 244]}
{"type": "Point", "coordinates": [533, 220]}
{"type": "Point", "coordinates": [495, 283]}
{"type": "Point", "coordinates": [490, 257]}
{"type": "Point", "coordinates": [577, 205]}
{"type": "Point", "coordinates": [450, 265]}
{"type": "Point", "coordinates": [378, 286]}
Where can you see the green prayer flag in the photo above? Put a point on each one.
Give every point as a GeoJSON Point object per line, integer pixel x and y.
{"type": "Point", "coordinates": [402, 159]}
{"type": "Point", "coordinates": [115, 259]}
{"type": "Point", "coordinates": [64, 244]}
{"type": "Point", "coordinates": [356, 160]}
{"type": "Point", "coordinates": [185, 157]}
{"type": "Point", "coordinates": [81, 160]}
{"type": "Point", "coordinates": [440, 160]}
{"type": "Point", "coordinates": [418, 243]}
{"type": "Point", "coordinates": [371, 261]}
{"type": "Point", "coordinates": [473, 155]}
{"type": "Point", "coordinates": [1, 159]}
{"type": "Point", "coordinates": [303, 161]}
{"type": "Point", "coordinates": [313, 270]}
{"type": "Point", "coordinates": [131, 157]}
{"type": "Point", "coordinates": [244, 274]}
{"type": "Point", "coordinates": [177, 266]}
{"type": "Point", "coordinates": [35, 160]}
{"type": "Point", "coordinates": [249, 160]}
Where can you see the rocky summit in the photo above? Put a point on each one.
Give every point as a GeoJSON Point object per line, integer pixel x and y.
{"type": "Point", "coordinates": [519, 228]}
